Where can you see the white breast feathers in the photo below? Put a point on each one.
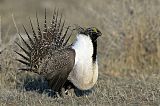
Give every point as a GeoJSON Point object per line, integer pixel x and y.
{"type": "Point", "coordinates": [85, 73]}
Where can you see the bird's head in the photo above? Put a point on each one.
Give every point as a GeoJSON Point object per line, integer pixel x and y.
{"type": "Point", "coordinates": [93, 32]}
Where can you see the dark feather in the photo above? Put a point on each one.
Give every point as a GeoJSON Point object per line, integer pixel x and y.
{"type": "Point", "coordinates": [34, 34]}
{"type": "Point", "coordinates": [65, 43]}
{"type": "Point", "coordinates": [63, 37]}
{"type": "Point", "coordinates": [53, 21]}
{"type": "Point", "coordinates": [24, 57]}
{"type": "Point", "coordinates": [45, 27]}
{"type": "Point", "coordinates": [38, 27]}
{"type": "Point", "coordinates": [31, 41]}
{"type": "Point", "coordinates": [23, 62]}
{"type": "Point", "coordinates": [25, 69]}
{"type": "Point", "coordinates": [25, 51]}
{"type": "Point", "coordinates": [28, 46]}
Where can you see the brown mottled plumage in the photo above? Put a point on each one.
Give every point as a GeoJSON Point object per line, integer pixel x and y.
{"type": "Point", "coordinates": [57, 66]}
{"type": "Point", "coordinates": [47, 52]}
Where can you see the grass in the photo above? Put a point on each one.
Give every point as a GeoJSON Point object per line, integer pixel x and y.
{"type": "Point", "coordinates": [128, 51]}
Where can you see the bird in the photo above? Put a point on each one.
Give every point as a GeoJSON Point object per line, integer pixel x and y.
{"type": "Point", "coordinates": [63, 65]}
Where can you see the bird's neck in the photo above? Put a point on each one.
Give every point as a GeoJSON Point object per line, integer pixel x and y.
{"type": "Point", "coordinates": [85, 47]}
{"type": "Point", "coordinates": [94, 56]}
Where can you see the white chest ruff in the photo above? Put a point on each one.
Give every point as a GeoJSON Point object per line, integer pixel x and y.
{"type": "Point", "coordinates": [84, 74]}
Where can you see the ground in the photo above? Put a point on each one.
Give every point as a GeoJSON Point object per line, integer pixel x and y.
{"type": "Point", "coordinates": [128, 51]}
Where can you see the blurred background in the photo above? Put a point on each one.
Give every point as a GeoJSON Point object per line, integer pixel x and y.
{"type": "Point", "coordinates": [129, 46]}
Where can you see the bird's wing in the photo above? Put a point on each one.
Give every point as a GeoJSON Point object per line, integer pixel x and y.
{"type": "Point", "coordinates": [57, 67]}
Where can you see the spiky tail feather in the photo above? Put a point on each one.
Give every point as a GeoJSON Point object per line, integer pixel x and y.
{"type": "Point", "coordinates": [40, 44]}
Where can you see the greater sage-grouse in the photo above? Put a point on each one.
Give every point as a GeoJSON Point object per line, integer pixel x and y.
{"type": "Point", "coordinates": [48, 54]}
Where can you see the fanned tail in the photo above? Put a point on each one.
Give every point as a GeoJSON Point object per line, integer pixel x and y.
{"type": "Point", "coordinates": [41, 43]}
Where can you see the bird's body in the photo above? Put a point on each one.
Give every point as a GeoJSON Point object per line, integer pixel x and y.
{"type": "Point", "coordinates": [49, 55]}
{"type": "Point", "coordinates": [85, 72]}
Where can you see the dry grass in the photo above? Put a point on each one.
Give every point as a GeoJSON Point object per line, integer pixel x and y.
{"type": "Point", "coordinates": [129, 51]}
